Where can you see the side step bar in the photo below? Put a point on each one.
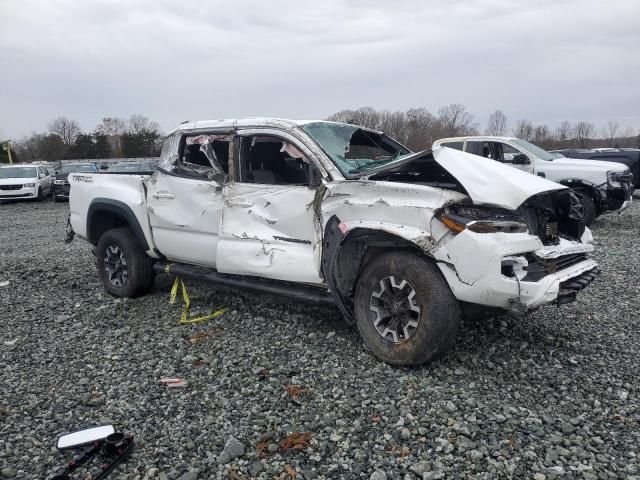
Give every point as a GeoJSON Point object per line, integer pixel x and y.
{"type": "Point", "coordinates": [302, 292]}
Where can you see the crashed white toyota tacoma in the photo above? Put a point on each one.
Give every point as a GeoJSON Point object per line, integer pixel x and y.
{"type": "Point", "coordinates": [403, 243]}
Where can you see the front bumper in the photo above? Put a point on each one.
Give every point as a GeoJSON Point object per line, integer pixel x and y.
{"type": "Point", "coordinates": [473, 264]}
{"type": "Point", "coordinates": [60, 191]}
{"type": "Point", "coordinates": [23, 192]}
{"type": "Point", "coordinates": [616, 199]}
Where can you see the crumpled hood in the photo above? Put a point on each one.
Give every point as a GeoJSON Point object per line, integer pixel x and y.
{"type": "Point", "coordinates": [486, 181]}
{"type": "Point", "coordinates": [61, 176]}
{"type": "Point", "coordinates": [16, 181]}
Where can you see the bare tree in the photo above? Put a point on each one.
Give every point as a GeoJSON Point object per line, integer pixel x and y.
{"type": "Point", "coordinates": [455, 120]}
{"type": "Point", "coordinates": [497, 124]}
{"type": "Point", "coordinates": [112, 128]}
{"type": "Point", "coordinates": [542, 136]}
{"type": "Point", "coordinates": [138, 124]}
{"type": "Point", "coordinates": [523, 129]}
{"type": "Point", "coordinates": [66, 129]}
{"type": "Point", "coordinates": [563, 133]}
{"type": "Point", "coordinates": [627, 139]}
{"type": "Point", "coordinates": [610, 130]}
{"type": "Point", "coordinates": [583, 132]}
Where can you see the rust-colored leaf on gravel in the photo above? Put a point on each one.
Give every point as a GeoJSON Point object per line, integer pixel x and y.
{"type": "Point", "coordinates": [296, 391]}
{"type": "Point", "coordinates": [289, 472]}
{"type": "Point", "coordinates": [234, 474]}
{"type": "Point", "coordinates": [261, 446]}
{"type": "Point", "coordinates": [204, 334]}
{"type": "Point", "coordinates": [295, 441]}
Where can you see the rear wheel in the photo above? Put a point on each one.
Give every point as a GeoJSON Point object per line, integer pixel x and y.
{"type": "Point", "coordinates": [405, 310]}
{"type": "Point", "coordinates": [123, 267]}
{"type": "Point", "coordinates": [589, 206]}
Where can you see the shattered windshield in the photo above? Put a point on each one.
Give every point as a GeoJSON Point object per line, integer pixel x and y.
{"type": "Point", "coordinates": [354, 149]}
{"type": "Point", "coordinates": [18, 172]}
{"type": "Point", "coordinates": [537, 151]}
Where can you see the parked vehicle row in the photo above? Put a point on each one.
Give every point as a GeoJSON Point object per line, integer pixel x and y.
{"type": "Point", "coordinates": [403, 243]}
{"type": "Point", "coordinates": [601, 186]}
{"type": "Point", "coordinates": [35, 181]}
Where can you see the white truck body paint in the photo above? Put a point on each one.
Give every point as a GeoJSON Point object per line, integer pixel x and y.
{"type": "Point", "coordinates": [275, 231]}
{"type": "Point", "coordinates": [127, 189]}
{"type": "Point", "coordinates": [184, 214]}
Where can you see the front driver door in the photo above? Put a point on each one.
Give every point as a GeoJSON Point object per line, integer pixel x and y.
{"type": "Point", "coordinates": [268, 225]}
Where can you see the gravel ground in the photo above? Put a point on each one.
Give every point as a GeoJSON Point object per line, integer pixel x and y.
{"type": "Point", "coordinates": [555, 395]}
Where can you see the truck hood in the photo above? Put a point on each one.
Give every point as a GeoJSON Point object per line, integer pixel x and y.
{"type": "Point", "coordinates": [589, 165]}
{"type": "Point", "coordinates": [486, 181]}
{"type": "Point", "coordinates": [16, 181]}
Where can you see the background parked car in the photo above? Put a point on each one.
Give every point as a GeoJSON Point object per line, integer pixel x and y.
{"type": "Point", "coordinates": [627, 156]}
{"type": "Point", "coordinates": [60, 188]}
{"type": "Point", "coordinates": [24, 181]}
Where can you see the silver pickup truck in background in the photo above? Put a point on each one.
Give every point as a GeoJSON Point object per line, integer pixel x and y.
{"type": "Point", "coordinates": [403, 243]}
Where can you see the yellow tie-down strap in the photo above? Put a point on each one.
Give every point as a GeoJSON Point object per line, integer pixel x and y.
{"type": "Point", "coordinates": [184, 317]}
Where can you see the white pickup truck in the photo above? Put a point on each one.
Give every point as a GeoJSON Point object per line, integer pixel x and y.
{"type": "Point", "coordinates": [403, 243]}
{"type": "Point", "coordinates": [600, 186]}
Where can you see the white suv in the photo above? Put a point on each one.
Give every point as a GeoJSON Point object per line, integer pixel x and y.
{"type": "Point", "coordinates": [24, 181]}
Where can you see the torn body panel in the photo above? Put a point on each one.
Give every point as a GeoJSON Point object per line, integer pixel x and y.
{"type": "Point", "coordinates": [267, 231]}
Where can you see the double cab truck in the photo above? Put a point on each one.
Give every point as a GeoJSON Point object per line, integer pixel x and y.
{"type": "Point", "coordinates": [403, 243]}
{"type": "Point", "coordinates": [601, 186]}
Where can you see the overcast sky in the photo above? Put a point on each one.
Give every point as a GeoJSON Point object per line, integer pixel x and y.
{"type": "Point", "coordinates": [173, 60]}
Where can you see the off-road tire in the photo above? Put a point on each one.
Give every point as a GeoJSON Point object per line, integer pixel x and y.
{"type": "Point", "coordinates": [440, 313]}
{"type": "Point", "coordinates": [590, 210]}
{"type": "Point", "coordinates": [139, 266]}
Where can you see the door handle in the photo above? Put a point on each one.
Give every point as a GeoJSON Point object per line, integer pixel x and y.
{"type": "Point", "coordinates": [164, 195]}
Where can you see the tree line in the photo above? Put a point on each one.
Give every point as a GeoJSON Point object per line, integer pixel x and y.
{"type": "Point", "coordinates": [113, 137]}
{"type": "Point", "coordinates": [417, 128]}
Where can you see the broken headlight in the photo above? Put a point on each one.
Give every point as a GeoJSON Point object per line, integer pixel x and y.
{"type": "Point", "coordinates": [478, 219]}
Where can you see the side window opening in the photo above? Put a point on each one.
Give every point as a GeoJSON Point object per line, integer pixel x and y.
{"type": "Point", "coordinates": [271, 160]}
{"type": "Point", "coordinates": [508, 152]}
{"type": "Point", "coordinates": [455, 145]}
{"type": "Point", "coordinates": [204, 155]}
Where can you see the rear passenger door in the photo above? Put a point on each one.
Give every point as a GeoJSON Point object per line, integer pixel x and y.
{"type": "Point", "coordinates": [185, 204]}
{"type": "Point", "coordinates": [269, 226]}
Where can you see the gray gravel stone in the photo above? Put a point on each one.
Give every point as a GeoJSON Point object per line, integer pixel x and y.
{"type": "Point", "coordinates": [378, 475]}
{"type": "Point", "coordinates": [233, 449]}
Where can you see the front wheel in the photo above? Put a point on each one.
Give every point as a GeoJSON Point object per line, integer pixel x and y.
{"type": "Point", "coordinates": [123, 266]}
{"type": "Point", "coordinates": [405, 311]}
{"type": "Point", "coordinates": [40, 196]}
{"type": "Point", "coordinates": [589, 206]}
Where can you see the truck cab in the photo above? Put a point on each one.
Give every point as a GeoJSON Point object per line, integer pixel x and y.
{"type": "Point", "coordinates": [601, 186]}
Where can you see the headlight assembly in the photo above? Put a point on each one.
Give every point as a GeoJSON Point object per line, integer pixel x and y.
{"type": "Point", "coordinates": [29, 185]}
{"type": "Point", "coordinates": [458, 218]}
{"type": "Point", "coordinates": [615, 179]}
{"type": "Point", "coordinates": [58, 182]}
